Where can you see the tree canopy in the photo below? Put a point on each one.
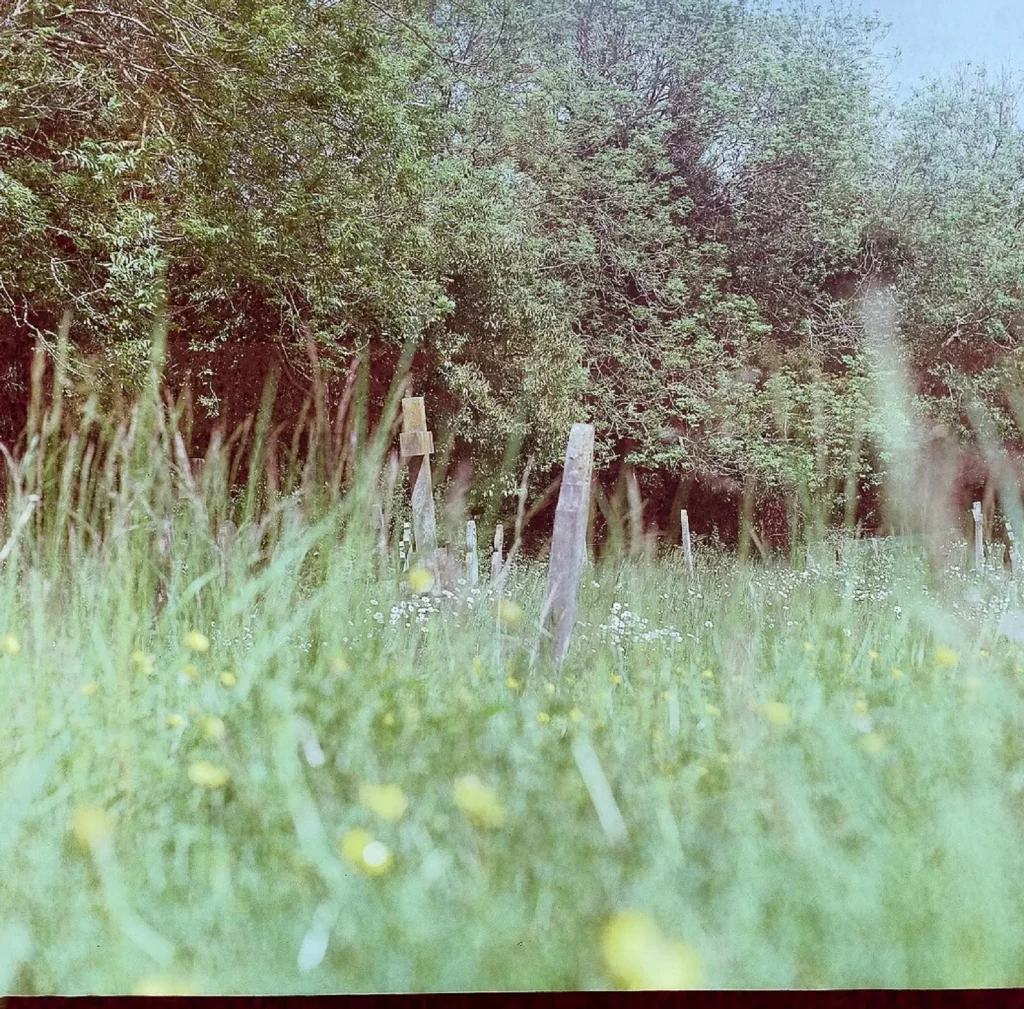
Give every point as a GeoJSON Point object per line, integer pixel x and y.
{"type": "Point", "coordinates": [659, 214]}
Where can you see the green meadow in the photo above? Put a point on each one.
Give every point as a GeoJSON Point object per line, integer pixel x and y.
{"type": "Point", "coordinates": [267, 766]}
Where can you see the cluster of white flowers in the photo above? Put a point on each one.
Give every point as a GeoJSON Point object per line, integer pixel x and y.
{"type": "Point", "coordinates": [624, 627]}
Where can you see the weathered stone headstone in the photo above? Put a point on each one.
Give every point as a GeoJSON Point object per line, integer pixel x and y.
{"type": "Point", "coordinates": [687, 550]}
{"type": "Point", "coordinates": [979, 540]}
{"type": "Point", "coordinates": [472, 559]}
{"type": "Point", "coordinates": [569, 542]}
{"type": "Point", "coordinates": [496, 557]}
{"type": "Point", "coordinates": [417, 444]}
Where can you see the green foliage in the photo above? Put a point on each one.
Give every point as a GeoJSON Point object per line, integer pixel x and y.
{"type": "Point", "coordinates": [661, 215]}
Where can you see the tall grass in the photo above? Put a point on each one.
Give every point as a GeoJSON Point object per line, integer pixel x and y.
{"type": "Point", "coordinates": [819, 773]}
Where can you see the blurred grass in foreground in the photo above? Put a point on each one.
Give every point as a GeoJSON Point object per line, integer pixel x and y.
{"type": "Point", "coordinates": [247, 765]}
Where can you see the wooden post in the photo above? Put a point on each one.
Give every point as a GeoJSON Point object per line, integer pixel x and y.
{"type": "Point", "coordinates": [636, 519]}
{"type": "Point", "coordinates": [405, 551]}
{"type": "Point", "coordinates": [569, 542]}
{"type": "Point", "coordinates": [472, 560]}
{"type": "Point", "coordinates": [417, 443]}
{"type": "Point", "coordinates": [1011, 546]}
{"type": "Point", "coordinates": [979, 540]}
{"type": "Point", "coordinates": [687, 551]}
{"type": "Point", "coordinates": [382, 540]}
{"type": "Point", "coordinates": [496, 557]}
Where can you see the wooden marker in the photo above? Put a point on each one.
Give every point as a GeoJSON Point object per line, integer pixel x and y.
{"type": "Point", "coordinates": [496, 557]}
{"type": "Point", "coordinates": [417, 443]}
{"type": "Point", "coordinates": [382, 540]}
{"type": "Point", "coordinates": [687, 551]}
{"type": "Point", "coordinates": [472, 560]}
{"type": "Point", "coordinates": [979, 537]}
{"type": "Point", "coordinates": [569, 542]}
{"type": "Point", "coordinates": [406, 548]}
{"type": "Point", "coordinates": [1011, 549]}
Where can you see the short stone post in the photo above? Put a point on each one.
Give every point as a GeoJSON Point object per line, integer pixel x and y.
{"type": "Point", "coordinates": [569, 542]}
{"type": "Point", "coordinates": [417, 444]}
{"type": "Point", "coordinates": [496, 556]}
{"type": "Point", "coordinates": [979, 537]}
{"type": "Point", "coordinates": [687, 550]}
{"type": "Point", "coordinates": [472, 560]}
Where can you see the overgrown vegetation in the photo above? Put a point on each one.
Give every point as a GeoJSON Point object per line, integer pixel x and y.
{"type": "Point", "coordinates": [246, 763]}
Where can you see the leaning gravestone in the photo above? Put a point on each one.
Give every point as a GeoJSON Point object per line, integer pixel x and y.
{"type": "Point", "coordinates": [569, 542]}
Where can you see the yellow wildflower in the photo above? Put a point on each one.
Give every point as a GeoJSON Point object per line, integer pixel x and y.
{"type": "Point", "coordinates": [352, 844]}
{"type": "Point", "coordinates": [712, 711]}
{"type": "Point", "coordinates": [202, 772]}
{"type": "Point", "coordinates": [508, 612]}
{"type": "Point", "coordinates": [213, 728]}
{"type": "Point", "coordinates": [479, 802]}
{"type": "Point", "coordinates": [549, 687]}
{"type": "Point", "coordinates": [945, 656]}
{"type": "Point", "coordinates": [984, 653]}
{"type": "Point", "coordinates": [376, 859]}
{"type": "Point", "coordinates": [872, 654]}
{"type": "Point", "coordinates": [575, 714]}
{"type": "Point", "coordinates": [419, 579]}
{"type": "Point", "coordinates": [196, 641]}
{"type": "Point", "coordinates": [808, 647]}
{"type": "Point", "coordinates": [89, 688]}
{"type": "Point", "coordinates": [543, 717]}
{"type": "Point", "coordinates": [191, 672]}
{"type": "Point", "coordinates": [707, 674]}
{"type": "Point", "coordinates": [158, 984]}
{"type": "Point", "coordinates": [91, 826]}
{"type": "Point", "coordinates": [388, 719]}
{"type": "Point", "coordinates": [175, 721]}
{"type": "Point", "coordinates": [873, 743]}
{"type": "Point", "coordinates": [512, 683]}
{"type": "Point", "coordinates": [370, 856]}
{"type": "Point", "coordinates": [897, 674]}
{"type": "Point", "coordinates": [10, 644]}
{"type": "Point", "coordinates": [143, 662]}
{"type": "Point", "coordinates": [228, 679]}
{"type": "Point", "coordinates": [777, 712]}
{"type": "Point", "coordinates": [615, 678]}
{"type": "Point", "coordinates": [638, 956]}
{"type": "Point", "coordinates": [861, 707]}
{"type": "Point", "coordinates": [387, 801]}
